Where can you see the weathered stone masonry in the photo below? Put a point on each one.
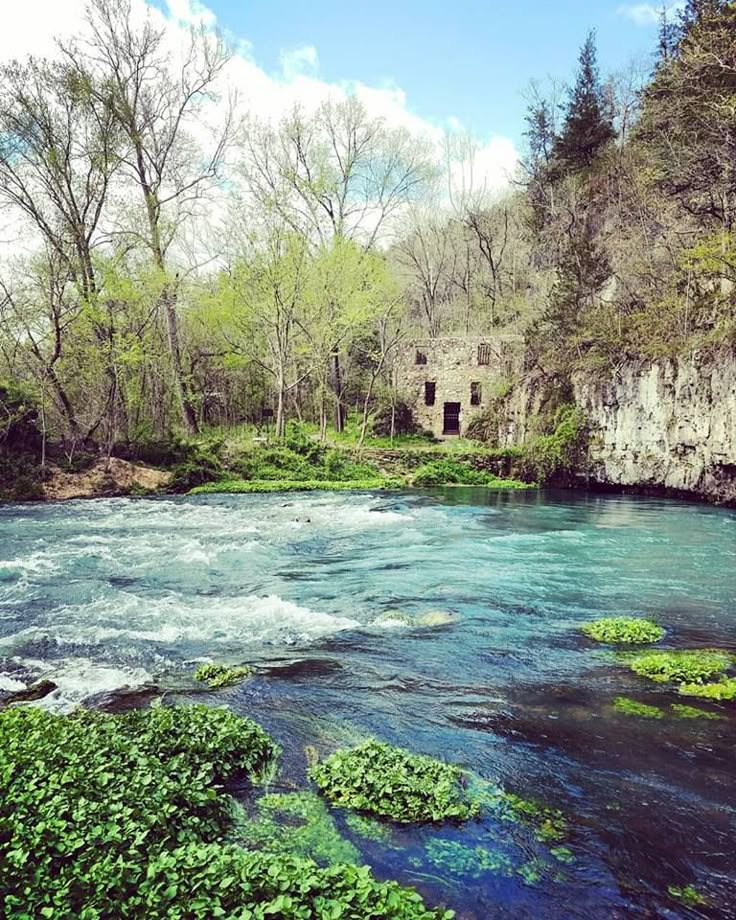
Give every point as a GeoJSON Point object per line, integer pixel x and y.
{"type": "Point", "coordinates": [449, 381]}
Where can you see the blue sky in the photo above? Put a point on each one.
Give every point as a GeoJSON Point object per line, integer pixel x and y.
{"type": "Point", "coordinates": [468, 59]}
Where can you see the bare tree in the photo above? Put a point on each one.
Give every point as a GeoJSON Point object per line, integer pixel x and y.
{"type": "Point", "coordinates": [158, 101]}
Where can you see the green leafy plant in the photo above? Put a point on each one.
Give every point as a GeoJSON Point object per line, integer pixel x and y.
{"type": "Point", "coordinates": [467, 862]}
{"type": "Point", "coordinates": [623, 630]}
{"type": "Point", "coordinates": [692, 666]}
{"type": "Point", "coordinates": [630, 707]}
{"type": "Point", "coordinates": [720, 690]}
{"type": "Point", "coordinates": [549, 824]}
{"type": "Point", "coordinates": [393, 783]}
{"type": "Point", "coordinates": [687, 895]}
{"type": "Point", "coordinates": [120, 816]}
{"type": "Point", "coordinates": [217, 676]}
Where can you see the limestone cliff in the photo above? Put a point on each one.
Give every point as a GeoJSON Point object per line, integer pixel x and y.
{"type": "Point", "coordinates": [666, 424]}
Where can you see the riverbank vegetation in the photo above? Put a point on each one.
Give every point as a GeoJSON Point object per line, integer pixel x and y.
{"type": "Point", "coordinates": [125, 339]}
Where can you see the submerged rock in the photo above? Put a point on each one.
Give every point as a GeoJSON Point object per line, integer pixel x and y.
{"type": "Point", "coordinates": [436, 618]}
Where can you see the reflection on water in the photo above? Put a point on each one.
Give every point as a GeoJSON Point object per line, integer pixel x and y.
{"type": "Point", "coordinates": [325, 591]}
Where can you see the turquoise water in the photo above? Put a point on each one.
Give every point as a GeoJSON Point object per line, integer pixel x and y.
{"type": "Point", "coordinates": [133, 592]}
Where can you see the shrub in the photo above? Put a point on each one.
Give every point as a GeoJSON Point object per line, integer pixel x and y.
{"type": "Point", "coordinates": [393, 783]}
{"type": "Point", "coordinates": [202, 465]}
{"type": "Point", "coordinates": [563, 450]}
{"type": "Point", "coordinates": [404, 421]}
{"type": "Point", "coordinates": [692, 666]}
{"type": "Point", "coordinates": [452, 472]}
{"type": "Point", "coordinates": [217, 676]}
{"type": "Point", "coordinates": [721, 690]}
{"type": "Point", "coordinates": [623, 630]}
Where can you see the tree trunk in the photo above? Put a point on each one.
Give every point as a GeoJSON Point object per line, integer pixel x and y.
{"type": "Point", "coordinates": [186, 404]}
{"type": "Point", "coordinates": [339, 407]}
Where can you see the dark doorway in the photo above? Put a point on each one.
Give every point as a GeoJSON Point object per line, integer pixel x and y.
{"type": "Point", "coordinates": [452, 418]}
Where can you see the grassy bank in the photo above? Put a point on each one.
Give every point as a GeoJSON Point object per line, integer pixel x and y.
{"type": "Point", "coordinates": [245, 486]}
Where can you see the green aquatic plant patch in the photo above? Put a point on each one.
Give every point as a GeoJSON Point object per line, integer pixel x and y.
{"type": "Point", "coordinates": [121, 816]}
{"type": "Point", "coordinates": [548, 823]}
{"type": "Point", "coordinates": [687, 895]}
{"type": "Point", "coordinates": [217, 676]}
{"type": "Point", "coordinates": [692, 712]}
{"type": "Point", "coordinates": [462, 861]}
{"type": "Point", "coordinates": [294, 824]}
{"type": "Point", "coordinates": [631, 707]}
{"type": "Point", "coordinates": [623, 630]}
{"type": "Point", "coordinates": [250, 486]}
{"type": "Point", "coordinates": [368, 828]}
{"type": "Point", "coordinates": [721, 690]}
{"type": "Point", "coordinates": [691, 666]}
{"type": "Point", "coordinates": [393, 783]}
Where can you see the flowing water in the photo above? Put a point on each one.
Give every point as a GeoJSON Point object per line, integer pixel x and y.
{"type": "Point", "coordinates": [315, 590]}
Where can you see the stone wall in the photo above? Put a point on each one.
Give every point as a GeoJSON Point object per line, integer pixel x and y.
{"type": "Point", "coordinates": [452, 365]}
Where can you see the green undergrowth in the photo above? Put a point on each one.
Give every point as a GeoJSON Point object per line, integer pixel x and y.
{"type": "Point", "coordinates": [685, 666]}
{"type": "Point", "coordinates": [122, 816]}
{"type": "Point", "coordinates": [217, 676]}
{"type": "Point", "coordinates": [629, 707]}
{"type": "Point", "coordinates": [623, 630]}
{"type": "Point", "coordinates": [451, 472]}
{"type": "Point", "coordinates": [392, 783]}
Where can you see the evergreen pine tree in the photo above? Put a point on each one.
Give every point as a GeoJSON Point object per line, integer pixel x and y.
{"type": "Point", "coordinates": [588, 127]}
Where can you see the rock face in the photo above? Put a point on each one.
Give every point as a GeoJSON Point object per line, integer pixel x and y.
{"type": "Point", "coordinates": [668, 424]}
{"type": "Point", "coordinates": [103, 478]}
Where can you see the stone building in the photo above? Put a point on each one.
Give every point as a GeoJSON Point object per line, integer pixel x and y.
{"type": "Point", "coordinates": [449, 381]}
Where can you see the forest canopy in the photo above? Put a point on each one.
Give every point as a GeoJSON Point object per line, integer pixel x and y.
{"type": "Point", "coordinates": [186, 271]}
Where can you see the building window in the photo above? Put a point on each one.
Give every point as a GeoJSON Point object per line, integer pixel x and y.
{"type": "Point", "coordinates": [430, 390]}
{"type": "Point", "coordinates": [420, 358]}
{"type": "Point", "coordinates": [484, 354]}
{"type": "Point", "coordinates": [475, 394]}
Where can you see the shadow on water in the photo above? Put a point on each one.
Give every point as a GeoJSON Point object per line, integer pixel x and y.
{"type": "Point", "coordinates": [325, 595]}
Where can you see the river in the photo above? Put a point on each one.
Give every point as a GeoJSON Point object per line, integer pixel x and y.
{"type": "Point", "coordinates": [316, 591]}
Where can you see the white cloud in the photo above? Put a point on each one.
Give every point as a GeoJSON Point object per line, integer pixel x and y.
{"type": "Point", "coordinates": [191, 13]}
{"type": "Point", "coordinates": [647, 14]}
{"type": "Point", "coordinates": [36, 24]}
{"type": "Point", "coordinates": [299, 62]}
